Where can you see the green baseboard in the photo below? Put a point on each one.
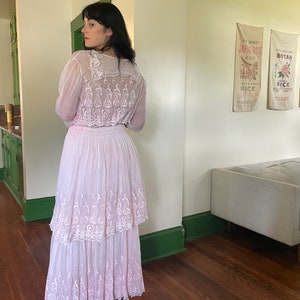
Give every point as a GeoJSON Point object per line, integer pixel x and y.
{"type": "Point", "coordinates": [37, 209]}
{"type": "Point", "coordinates": [162, 243]}
{"type": "Point", "coordinates": [202, 224]}
{"type": "Point", "coordinates": [171, 241]}
{"type": "Point", "coordinates": [154, 245]}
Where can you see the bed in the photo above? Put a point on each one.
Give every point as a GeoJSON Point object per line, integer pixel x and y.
{"type": "Point", "coordinates": [263, 197]}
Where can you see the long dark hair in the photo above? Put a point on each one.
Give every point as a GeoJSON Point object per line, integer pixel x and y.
{"type": "Point", "coordinates": [109, 15]}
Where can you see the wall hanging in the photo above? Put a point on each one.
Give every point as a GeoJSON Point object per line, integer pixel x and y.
{"type": "Point", "coordinates": [247, 69]}
{"type": "Point", "coordinates": [282, 69]}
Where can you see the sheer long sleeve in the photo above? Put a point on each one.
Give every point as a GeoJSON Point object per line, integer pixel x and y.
{"type": "Point", "coordinates": [69, 92]}
{"type": "Point", "coordinates": [138, 120]}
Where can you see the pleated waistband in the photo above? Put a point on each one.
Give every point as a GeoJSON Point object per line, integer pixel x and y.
{"type": "Point", "coordinates": [97, 131]}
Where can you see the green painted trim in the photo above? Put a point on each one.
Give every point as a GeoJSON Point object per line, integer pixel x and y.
{"type": "Point", "coordinates": [162, 243]}
{"type": "Point", "coordinates": [36, 209]}
{"type": "Point", "coordinates": [76, 35]}
{"type": "Point", "coordinates": [1, 174]}
{"type": "Point", "coordinates": [202, 224]}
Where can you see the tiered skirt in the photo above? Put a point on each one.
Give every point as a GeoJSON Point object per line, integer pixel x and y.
{"type": "Point", "coordinates": [100, 201]}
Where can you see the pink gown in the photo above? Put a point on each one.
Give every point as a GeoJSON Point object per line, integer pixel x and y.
{"type": "Point", "coordinates": [100, 199]}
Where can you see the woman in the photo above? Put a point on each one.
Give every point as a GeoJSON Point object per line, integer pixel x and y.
{"type": "Point", "coordinates": [100, 199]}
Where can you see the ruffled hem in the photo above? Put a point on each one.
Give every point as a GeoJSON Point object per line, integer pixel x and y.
{"type": "Point", "coordinates": [106, 270]}
{"type": "Point", "coordinates": [87, 233]}
{"type": "Point", "coordinates": [128, 297]}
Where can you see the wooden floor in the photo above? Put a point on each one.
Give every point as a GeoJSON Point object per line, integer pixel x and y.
{"type": "Point", "coordinates": [236, 265]}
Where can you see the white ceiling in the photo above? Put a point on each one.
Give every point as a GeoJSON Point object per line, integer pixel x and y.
{"type": "Point", "coordinates": [4, 9]}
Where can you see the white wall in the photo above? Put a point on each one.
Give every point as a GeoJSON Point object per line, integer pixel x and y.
{"type": "Point", "coordinates": [160, 145]}
{"type": "Point", "coordinates": [215, 136]}
{"type": "Point", "coordinates": [185, 50]}
{"type": "Point", "coordinates": [160, 46]}
{"type": "Point", "coordinates": [6, 85]}
{"type": "Point", "coordinates": [44, 47]}
{"type": "Point", "coordinates": [78, 6]}
{"type": "Point", "coordinates": [160, 56]}
{"type": "Point", "coordinates": [127, 9]}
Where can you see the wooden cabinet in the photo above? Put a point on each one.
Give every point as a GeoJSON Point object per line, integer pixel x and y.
{"type": "Point", "coordinates": [15, 62]}
{"type": "Point", "coordinates": [4, 143]}
{"type": "Point", "coordinates": [11, 144]}
{"type": "Point", "coordinates": [12, 164]}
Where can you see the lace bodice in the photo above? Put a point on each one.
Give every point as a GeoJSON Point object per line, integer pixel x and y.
{"type": "Point", "coordinates": [95, 90]}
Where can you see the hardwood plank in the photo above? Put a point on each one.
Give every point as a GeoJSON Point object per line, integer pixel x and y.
{"type": "Point", "coordinates": [241, 277]}
{"type": "Point", "coordinates": [227, 266]}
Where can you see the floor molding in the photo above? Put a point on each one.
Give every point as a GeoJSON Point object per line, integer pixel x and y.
{"type": "Point", "coordinates": [37, 209]}
{"type": "Point", "coordinates": [162, 243]}
{"type": "Point", "coordinates": [202, 224]}
{"type": "Point", "coordinates": [154, 245]}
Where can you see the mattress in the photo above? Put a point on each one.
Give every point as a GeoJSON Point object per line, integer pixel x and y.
{"type": "Point", "coordinates": [263, 197]}
{"type": "Point", "coordinates": [283, 170]}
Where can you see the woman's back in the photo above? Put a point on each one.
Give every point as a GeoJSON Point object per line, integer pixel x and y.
{"type": "Point", "coordinates": [109, 90]}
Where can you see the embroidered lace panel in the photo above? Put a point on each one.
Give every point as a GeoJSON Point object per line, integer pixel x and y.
{"type": "Point", "coordinates": [94, 218]}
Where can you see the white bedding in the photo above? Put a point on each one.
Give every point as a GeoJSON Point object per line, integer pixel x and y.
{"type": "Point", "coordinates": [263, 197]}
{"type": "Point", "coordinates": [283, 170]}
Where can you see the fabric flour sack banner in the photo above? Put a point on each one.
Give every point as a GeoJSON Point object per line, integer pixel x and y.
{"type": "Point", "coordinates": [247, 70]}
{"type": "Point", "coordinates": [282, 68]}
